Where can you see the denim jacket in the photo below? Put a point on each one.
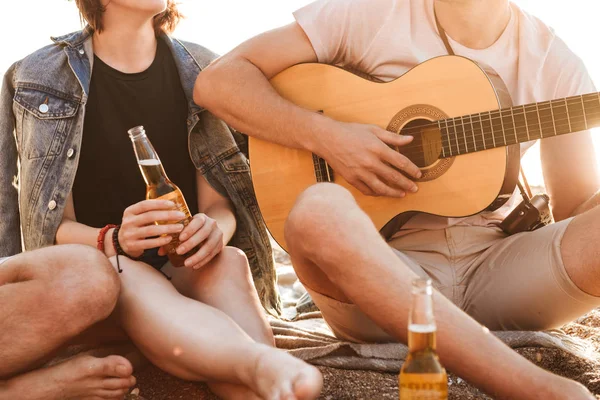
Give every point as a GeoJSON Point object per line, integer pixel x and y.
{"type": "Point", "coordinates": [42, 108]}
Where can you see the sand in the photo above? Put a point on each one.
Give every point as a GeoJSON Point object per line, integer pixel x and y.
{"type": "Point", "coordinates": [354, 385]}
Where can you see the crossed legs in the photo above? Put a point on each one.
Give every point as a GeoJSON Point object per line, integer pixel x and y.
{"type": "Point", "coordinates": [338, 253]}
{"type": "Point", "coordinates": [212, 329]}
{"type": "Point", "coordinates": [207, 325]}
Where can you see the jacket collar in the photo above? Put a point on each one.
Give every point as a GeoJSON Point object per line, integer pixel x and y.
{"type": "Point", "coordinates": [74, 39]}
{"type": "Point", "coordinates": [188, 69]}
{"type": "Point", "coordinates": [187, 65]}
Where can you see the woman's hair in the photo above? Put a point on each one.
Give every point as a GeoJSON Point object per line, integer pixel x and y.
{"type": "Point", "coordinates": [91, 11]}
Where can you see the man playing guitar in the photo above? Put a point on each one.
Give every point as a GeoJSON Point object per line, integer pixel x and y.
{"type": "Point", "coordinates": [529, 281]}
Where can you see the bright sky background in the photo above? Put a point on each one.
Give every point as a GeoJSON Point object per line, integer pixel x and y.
{"type": "Point", "coordinates": [222, 24]}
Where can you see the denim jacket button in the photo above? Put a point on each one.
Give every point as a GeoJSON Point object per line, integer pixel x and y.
{"type": "Point", "coordinates": [52, 205]}
{"type": "Point", "coordinates": [70, 153]}
{"type": "Point", "coordinates": [44, 108]}
{"type": "Point", "coordinates": [81, 52]}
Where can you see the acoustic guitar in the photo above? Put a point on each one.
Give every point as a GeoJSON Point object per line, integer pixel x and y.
{"type": "Point", "coordinates": [466, 137]}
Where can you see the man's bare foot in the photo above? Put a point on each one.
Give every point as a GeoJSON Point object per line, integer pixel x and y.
{"type": "Point", "coordinates": [83, 377]}
{"type": "Point", "coordinates": [280, 376]}
{"type": "Point", "coordinates": [558, 388]}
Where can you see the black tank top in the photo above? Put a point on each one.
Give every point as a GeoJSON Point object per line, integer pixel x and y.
{"type": "Point", "coordinates": [108, 179]}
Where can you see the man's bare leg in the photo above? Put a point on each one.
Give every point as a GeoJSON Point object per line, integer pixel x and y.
{"type": "Point", "coordinates": [337, 251]}
{"type": "Point", "coordinates": [582, 260]}
{"type": "Point", "coordinates": [226, 284]}
{"type": "Point", "coordinates": [48, 297]}
{"type": "Point", "coordinates": [194, 341]}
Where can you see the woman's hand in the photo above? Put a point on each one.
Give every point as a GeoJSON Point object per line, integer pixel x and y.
{"type": "Point", "coordinates": [205, 231]}
{"type": "Point", "coordinates": [139, 224]}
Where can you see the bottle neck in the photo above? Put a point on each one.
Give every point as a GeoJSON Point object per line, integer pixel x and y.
{"type": "Point", "coordinates": [147, 158]}
{"type": "Point", "coordinates": [422, 327]}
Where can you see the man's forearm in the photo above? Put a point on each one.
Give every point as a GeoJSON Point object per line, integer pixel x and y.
{"type": "Point", "coordinates": [236, 91]}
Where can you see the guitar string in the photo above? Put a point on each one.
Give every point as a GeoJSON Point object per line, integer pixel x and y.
{"type": "Point", "coordinates": [561, 106]}
{"type": "Point", "coordinates": [490, 134]}
{"type": "Point", "coordinates": [448, 138]}
{"type": "Point", "coordinates": [414, 151]}
{"type": "Point", "coordinates": [496, 115]}
{"type": "Point", "coordinates": [576, 101]}
{"type": "Point", "coordinates": [494, 134]}
{"type": "Point", "coordinates": [450, 149]}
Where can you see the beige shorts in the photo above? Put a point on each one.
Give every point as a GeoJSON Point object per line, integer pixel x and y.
{"type": "Point", "coordinates": [506, 283]}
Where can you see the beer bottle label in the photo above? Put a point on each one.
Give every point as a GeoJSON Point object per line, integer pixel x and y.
{"type": "Point", "coordinates": [423, 387]}
{"type": "Point", "coordinates": [177, 198]}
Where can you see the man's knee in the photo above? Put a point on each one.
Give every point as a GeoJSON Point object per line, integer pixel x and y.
{"type": "Point", "coordinates": [318, 209]}
{"type": "Point", "coordinates": [83, 284]}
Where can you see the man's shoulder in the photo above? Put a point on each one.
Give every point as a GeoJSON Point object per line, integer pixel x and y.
{"type": "Point", "coordinates": [538, 33]}
{"type": "Point", "coordinates": [201, 54]}
{"type": "Point", "coordinates": [561, 70]}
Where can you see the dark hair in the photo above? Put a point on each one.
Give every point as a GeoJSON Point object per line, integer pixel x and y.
{"type": "Point", "coordinates": [91, 11]}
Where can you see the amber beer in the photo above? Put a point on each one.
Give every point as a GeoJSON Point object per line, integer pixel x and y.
{"type": "Point", "coordinates": [422, 376]}
{"type": "Point", "coordinates": [159, 186]}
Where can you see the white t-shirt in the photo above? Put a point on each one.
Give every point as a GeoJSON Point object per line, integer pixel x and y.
{"type": "Point", "coordinates": [386, 38]}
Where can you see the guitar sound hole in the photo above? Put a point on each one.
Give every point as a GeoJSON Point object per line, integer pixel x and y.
{"type": "Point", "coordinates": [426, 147]}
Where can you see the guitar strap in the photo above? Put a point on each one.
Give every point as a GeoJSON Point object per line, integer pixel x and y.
{"type": "Point", "coordinates": [443, 35]}
{"type": "Point", "coordinates": [525, 192]}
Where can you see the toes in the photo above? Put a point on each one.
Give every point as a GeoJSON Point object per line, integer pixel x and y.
{"type": "Point", "coordinates": [286, 392]}
{"type": "Point", "coordinates": [308, 384]}
{"type": "Point", "coordinates": [118, 383]}
{"type": "Point", "coordinates": [116, 366]}
{"type": "Point", "coordinates": [112, 394]}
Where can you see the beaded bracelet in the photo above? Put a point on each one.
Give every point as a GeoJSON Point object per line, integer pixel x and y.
{"type": "Point", "coordinates": [101, 236]}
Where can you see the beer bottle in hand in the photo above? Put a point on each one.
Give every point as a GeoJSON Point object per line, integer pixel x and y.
{"type": "Point", "coordinates": [158, 186]}
{"type": "Point", "coordinates": [422, 376]}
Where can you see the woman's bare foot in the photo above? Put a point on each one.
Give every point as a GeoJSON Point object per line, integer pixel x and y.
{"type": "Point", "coordinates": [280, 376]}
{"type": "Point", "coordinates": [82, 377]}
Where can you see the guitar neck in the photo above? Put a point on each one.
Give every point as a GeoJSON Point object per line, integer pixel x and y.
{"type": "Point", "coordinates": [508, 126]}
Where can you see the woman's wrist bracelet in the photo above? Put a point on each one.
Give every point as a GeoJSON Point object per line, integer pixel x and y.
{"type": "Point", "coordinates": [101, 237]}
{"type": "Point", "coordinates": [117, 245]}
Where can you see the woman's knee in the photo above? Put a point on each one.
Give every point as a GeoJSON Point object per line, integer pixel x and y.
{"type": "Point", "coordinates": [232, 264]}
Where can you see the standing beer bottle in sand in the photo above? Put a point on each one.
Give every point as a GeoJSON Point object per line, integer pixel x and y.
{"type": "Point", "coordinates": [422, 376]}
{"type": "Point", "coordinates": [158, 186]}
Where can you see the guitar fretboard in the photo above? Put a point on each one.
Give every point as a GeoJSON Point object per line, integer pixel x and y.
{"type": "Point", "coordinates": [503, 127]}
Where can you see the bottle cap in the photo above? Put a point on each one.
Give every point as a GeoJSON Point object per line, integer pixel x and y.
{"type": "Point", "coordinates": [136, 132]}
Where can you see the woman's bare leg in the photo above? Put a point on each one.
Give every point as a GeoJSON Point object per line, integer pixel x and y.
{"type": "Point", "coordinates": [194, 341]}
{"type": "Point", "coordinates": [226, 284]}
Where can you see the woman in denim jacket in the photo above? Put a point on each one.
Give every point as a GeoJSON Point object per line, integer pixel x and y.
{"type": "Point", "coordinates": [202, 322]}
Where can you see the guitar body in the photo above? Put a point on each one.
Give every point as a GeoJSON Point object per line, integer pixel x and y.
{"type": "Point", "coordinates": [437, 89]}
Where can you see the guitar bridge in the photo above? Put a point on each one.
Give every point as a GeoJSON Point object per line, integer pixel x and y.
{"type": "Point", "coordinates": [323, 172]}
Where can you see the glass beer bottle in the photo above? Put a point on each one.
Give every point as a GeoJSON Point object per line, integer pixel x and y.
{"type": "Point", "coordinates": [422, 376]}
{"type": "Point", "coordinates": [159, 186]}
